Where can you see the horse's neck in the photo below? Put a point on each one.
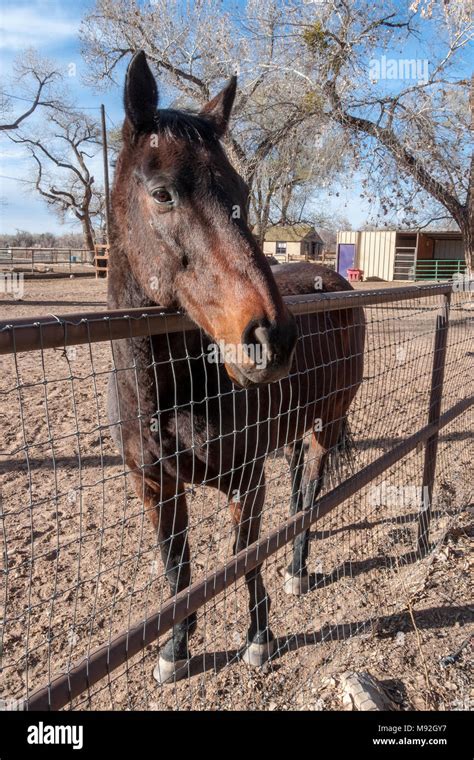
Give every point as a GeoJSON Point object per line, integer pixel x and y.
{"type": "Point", "coordinates": [124, 292]}
{"type": "Point", "coordinates": [150, 356]}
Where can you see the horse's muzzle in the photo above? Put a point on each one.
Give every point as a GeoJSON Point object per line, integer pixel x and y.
{"type": "Point", "coordinates": [267, 349]}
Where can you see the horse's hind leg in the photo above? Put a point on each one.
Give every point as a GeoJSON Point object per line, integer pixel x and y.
{"type": "Point", "coordinates": [246, 511]}
{"type": "Point", "coordinates": [168, 511]}
{"type": "Point", "coordinates": [294, 455]}
{"type": "Point", "coordinates": [309, 485]}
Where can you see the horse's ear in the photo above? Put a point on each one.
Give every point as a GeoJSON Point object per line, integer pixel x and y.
{"type": "Point", "coordinates": [218, 109]}
{"type": "Point", "coordinates": [140, 94]}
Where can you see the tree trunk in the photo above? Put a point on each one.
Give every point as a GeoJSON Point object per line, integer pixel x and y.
{"type": "Point", "coordinates": [88, 235]}
{"type": "Point", "coordinates": [467, 227]}
{"type": "Point", "coordinates": [468, 241]}
{"type": "Point", "coordinates": [465, 221]}
{"type": "Point", "coordinates": [264, 219]}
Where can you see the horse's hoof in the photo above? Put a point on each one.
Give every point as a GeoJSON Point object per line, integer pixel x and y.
{"type": "Point", "coordinates": [169, 672]}
{"type": "Point", "coordinates": [257, 654]}
{"type": "Point", "coordinates": [296, 585]}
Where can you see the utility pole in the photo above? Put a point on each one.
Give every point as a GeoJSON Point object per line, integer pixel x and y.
{"type": "Point", "coordinates": [106, 174]}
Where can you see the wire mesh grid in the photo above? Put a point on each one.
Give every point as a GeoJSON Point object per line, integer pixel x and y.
{"type": "Point", "coordinates": [82, 561]}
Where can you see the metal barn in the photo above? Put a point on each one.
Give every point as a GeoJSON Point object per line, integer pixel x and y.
{"type": "Point", "coordinates": [401, 254]}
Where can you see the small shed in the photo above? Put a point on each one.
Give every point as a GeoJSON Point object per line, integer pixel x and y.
{"type": "Point", "coordinates": [297, 242]}
{"type": "Point", "coordinates": [401, 254]}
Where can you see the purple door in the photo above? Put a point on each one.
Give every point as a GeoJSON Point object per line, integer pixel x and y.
{"type": "Point", "coordinates": [345, 257]}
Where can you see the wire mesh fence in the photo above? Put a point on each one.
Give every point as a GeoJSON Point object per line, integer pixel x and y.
{"type": "Point", "coordinates": [85, 592]}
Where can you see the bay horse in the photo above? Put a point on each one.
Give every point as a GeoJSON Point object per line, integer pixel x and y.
{"type": "Point", "coordinates": [180, 238]}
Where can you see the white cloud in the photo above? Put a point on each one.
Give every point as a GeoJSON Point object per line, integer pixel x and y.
{"type": "Point", "coordinates": [12, 153]}
{"type": "Point", "coordinates": [27, 27]}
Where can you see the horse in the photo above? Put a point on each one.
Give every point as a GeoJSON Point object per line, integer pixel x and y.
{"type": "Point", "coordinates": [180, 239]}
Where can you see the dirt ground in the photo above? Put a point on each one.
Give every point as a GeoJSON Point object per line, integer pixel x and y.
{"type": "Point", "coordinates": [80, 557]}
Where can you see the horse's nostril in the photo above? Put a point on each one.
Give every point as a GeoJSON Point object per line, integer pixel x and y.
{"type": "Point", "coordinates": [249, 337]}
{"type": "Point", "coordinates": [271, 343]}
{"type": "Point", "coordinates": [262, 336]}
{"type": "Point", "coordinates": [256, 340]}
{"type": "Point", "coordinates": [262, 341]}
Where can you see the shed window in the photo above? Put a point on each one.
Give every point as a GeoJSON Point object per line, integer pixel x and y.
{"type": "Point", "coordinates": [280, 247]}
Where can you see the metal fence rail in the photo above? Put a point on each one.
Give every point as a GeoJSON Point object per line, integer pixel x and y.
{"type": "Point", "coordinates": [439, 269]}
{"type": "Point", "coordinates": [408, 342]}
{"type": "Point", "coordinates": [77, 329]}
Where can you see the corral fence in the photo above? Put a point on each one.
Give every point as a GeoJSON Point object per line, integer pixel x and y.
{"type": "Point", "coordinates": [29, 259]}
{"type": "Point", "coordinates": [438, 269]}
{"type": "Point", "coordinates": [85, 597]}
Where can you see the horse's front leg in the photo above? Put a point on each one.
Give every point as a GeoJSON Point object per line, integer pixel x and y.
{"type": "Point", "coordinates": [166, 504]}
{"type": "Point", "coordinates": [246, 510]}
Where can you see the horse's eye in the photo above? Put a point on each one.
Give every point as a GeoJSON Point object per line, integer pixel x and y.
{"type": "Point", "coordinates": [162, 196]}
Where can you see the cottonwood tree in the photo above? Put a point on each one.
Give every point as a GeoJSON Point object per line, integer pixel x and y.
{"type": "Point", "coordinates": [35, 83]}
{"type": "Point", "coordinates": [396, 81]}
{"type": "Point", "coordinates": [287, 182]}
{"type": "Point", "coordinates": [193, 48]}
{"type": "Point", "coordinates": [61, 157]}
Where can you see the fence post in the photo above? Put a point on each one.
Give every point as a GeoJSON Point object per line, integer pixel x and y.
{"type": "Point", "coordinates": [32, 260]}
{"type": "Point", "coordinates": [434, 413]}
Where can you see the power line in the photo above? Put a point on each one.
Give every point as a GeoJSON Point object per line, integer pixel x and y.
{"type": "Point", "coordinates": [113, 124]}
{"type": "Point", "coordinates": [18, 179]}
{"type": "Point", "coordinates": [79, 107]}
{"type": "Point", "coordinates": [17, 97]}
{"type": "Point", "coordinates": [29, 100]}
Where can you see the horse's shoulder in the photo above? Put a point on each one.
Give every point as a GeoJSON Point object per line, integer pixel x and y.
{"type": "Point", "coordinates": [300, 278]}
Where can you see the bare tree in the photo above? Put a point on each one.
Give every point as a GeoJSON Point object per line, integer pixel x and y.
{"type": "Point", "coordinates": [62, 155]}
{"type": "Point", "coordinates": [36, 82]}
{"type": "Point", "coordinates": [293, 174]}
{"type": "Point", "coordinates": [304, 66]}
{"type": "Point", "coordinates": [409, 117]}
{"type": "Point", "coordinates": [193, 47]}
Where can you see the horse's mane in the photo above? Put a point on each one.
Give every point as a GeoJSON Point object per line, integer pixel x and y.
{"type": "Point", "coordinates": [186, 124]}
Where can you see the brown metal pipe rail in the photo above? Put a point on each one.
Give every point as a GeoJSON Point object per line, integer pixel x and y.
{"type": "Point", "coordinates": [38, 333]}
{"type": "Point", "coordinates": [106, 658]}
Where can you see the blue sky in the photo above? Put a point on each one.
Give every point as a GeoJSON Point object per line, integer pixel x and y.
{"type": "Point", "coordinates": [51, 26]}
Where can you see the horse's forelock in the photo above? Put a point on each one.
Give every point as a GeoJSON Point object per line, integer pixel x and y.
{"type": "Point", "coordinates": [185, 125]}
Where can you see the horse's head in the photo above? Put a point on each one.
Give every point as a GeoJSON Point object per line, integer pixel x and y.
{"type": "Point", "coordinates": [180, 211]}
